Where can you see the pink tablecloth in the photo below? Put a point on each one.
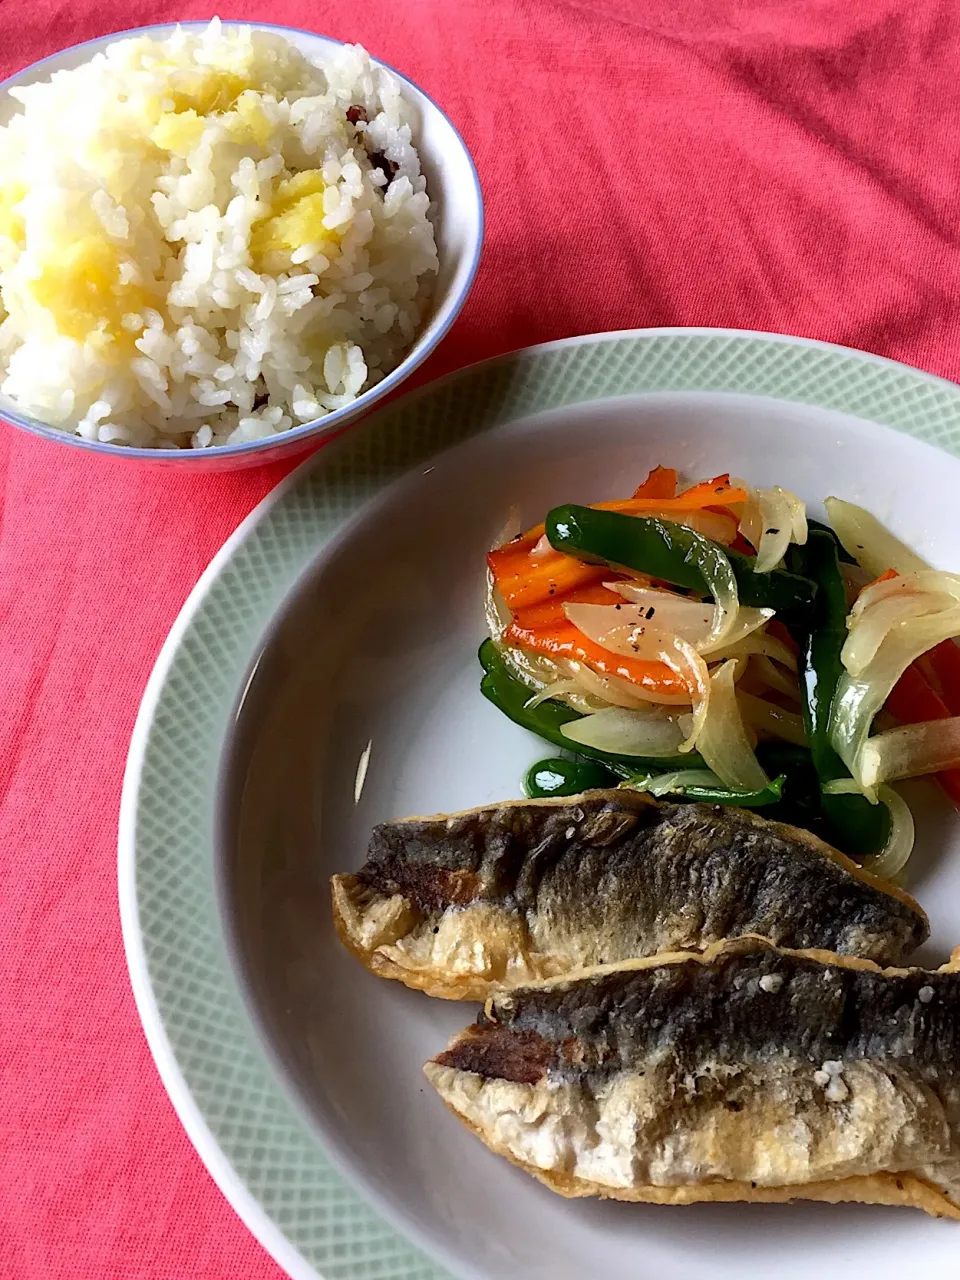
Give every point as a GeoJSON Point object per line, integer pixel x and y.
{"type": "Point", "coordinates": [789, 167]}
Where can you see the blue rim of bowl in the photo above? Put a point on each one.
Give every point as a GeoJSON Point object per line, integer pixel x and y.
{"type": "Point", "coordinates": [307, 430]}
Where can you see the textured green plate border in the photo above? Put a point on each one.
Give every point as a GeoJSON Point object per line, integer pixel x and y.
{"type": "Point", "coordinates": [258, 1148]}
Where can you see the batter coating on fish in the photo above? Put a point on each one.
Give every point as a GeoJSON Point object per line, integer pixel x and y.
{"type": "Point", "coordinates": [745, 1073]}
{"type": "Point", "coordinates": [464, 905]}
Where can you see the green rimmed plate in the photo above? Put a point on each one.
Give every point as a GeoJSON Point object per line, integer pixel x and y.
{"type": "Point", "coordinates": [293, 1102]}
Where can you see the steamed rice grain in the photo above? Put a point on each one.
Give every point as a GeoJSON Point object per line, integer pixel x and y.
{"type": "Point", "coordinates": [208, 239]}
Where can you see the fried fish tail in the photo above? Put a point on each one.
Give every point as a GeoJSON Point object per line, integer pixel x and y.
{"type": "Point", "coordinates": [749, 1072]}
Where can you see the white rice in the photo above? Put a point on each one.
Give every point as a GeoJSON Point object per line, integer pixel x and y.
{"type": "Point", "coordinates": [156, 285]}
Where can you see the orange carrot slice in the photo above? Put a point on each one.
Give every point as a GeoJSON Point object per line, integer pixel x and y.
{"type": "Point", "coordinates": [565, 641]}
{"type": "Point", "coordinates": [660, 483]}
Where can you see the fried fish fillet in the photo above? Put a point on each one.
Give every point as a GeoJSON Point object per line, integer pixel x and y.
{"type": "Point", "coordinates": [747, 1072]}
{"type": "Point", "coordinates": [464, 905]}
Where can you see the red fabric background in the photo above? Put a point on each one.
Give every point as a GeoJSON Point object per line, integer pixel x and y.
{"type": "Point", "coordinates": [788, 167]}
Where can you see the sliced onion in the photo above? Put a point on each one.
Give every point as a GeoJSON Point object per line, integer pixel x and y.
{"type": "Point", "coordinates": [932, 582]}
{"type": "Point", "coordinates": [621, 693]}
{"type": "Point", "coordinates": [722, 739]}
{"type": "Point", "coordinates": [859, 697]}
{"type": "Point", "coordinates": [771, 520]}
{"type": "Point", "coordinates": [717, 573]}
{"type": "Point", "coordinates": [685, 662]}
{"type": "Point", "coordinates": [535, 670]}
{"type": "Point", "coordinates": [768, 718]}
{"type": "Point", "coordinates": [847, 787]}
{"type": "Point", "coordinates": [798, 518]}
{"type": "Point", "coordinates": [892, 858]}
{"type": "Point", "coordinates": [693, 620]}
{"type": "Point", "coordinates": [871, 628]}
{"type": "Point", "coordinates": [894, 855]}
{"type": "Point", "coordinates": [556, 690]}
{"type": "Point", "coordinates": [761, 644]}
{"type": "Point", "coordinates": [621, 630]}
{"type": "Point", "coordinates": [910, 751]}
{"type": "Point", "coordinates": [872, 546]}
{"type": "Point", "coordinates": [626, 733]}
{"type": "Point", "coordinates": [771, 675]}
{"type": "Point", "coordinates": [666, 784]}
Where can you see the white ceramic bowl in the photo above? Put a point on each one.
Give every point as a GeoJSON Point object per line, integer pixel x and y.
{"type": "Point", "coordinates": [323, 677]}
{"type": "Point", "coordinates": [452, 183]}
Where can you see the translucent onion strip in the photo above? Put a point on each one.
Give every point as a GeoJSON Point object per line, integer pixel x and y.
{"type": "Point", "coordinates": [871, 628]}
{"type": "Point", "coordinates": [859, 697]}
{"type": "Point", "coordinates": [621, 630]}
{"type": "Point", "coordinates": [759, 644]}
{"type": "Point", "coordinates": [910, 751]}
{"type": "Point", "coordinates": [872, 546]}
{"type": "Point", "coordinates": [556, 690]}
{"type": "Point", "coordinates": [673, 784]}
{"type": "Point", "coordinates": [845, 787]}
{"type": "Point", "coordinates": [684, 660]}
{"type": "Point", "coordinates": [722, 739]}
{"type": "Point", "coordinates": [626, 733]}
{"type": "Point", "coordinates": [772, 519]}
{"type": "Point", "coordinates": [717, 572]}
{"type": "Point", "coordinates": [893, 857]}
{"type": "Point", "coordinates": [692, 620]}
{"type": "Point", "coordinates": [770, 674]}
{"type": "Point", "coordinates": [766, 717]}
{"type": "Point", "coordinates": [892, 624]}
{"type": "Point", "coordinates": [932, 582]}
{"type": "Point", "coordinates": [798, 518]}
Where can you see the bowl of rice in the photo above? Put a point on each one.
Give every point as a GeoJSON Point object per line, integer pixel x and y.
{"type": "Point", "coordinates": [220, 242]}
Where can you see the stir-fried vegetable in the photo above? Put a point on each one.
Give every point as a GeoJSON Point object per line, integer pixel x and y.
{"type": "Point", "coordinates": [765, 716]}
{"type": "Point", "coordinates": [861, 693]}
{"type": "Point", "coordinates": [558, 777]}
{"type": "Point", "coordinates": [547, 719]}
{"type": "Point", "coordinates": [565, 641]}
{"type": "Point", "coordinates": [525, 579]}
{"type": "Point", "coordinates": [868, 542]}
{"type": "Point", "coordinates": [772, 519]}
{"type": "Point", "coordinates": [618, 626]}
{"type": "Point", "coordinates": [660, 483]}
{"type": "Point", "coordinates": [855, 825]}
{"type": "Point", "coordinates": [706, 788]}
{"type": "Point", "coordinates": [723, 740]}
{"type": "Point", "coordinates": [627, 733]}
{"type": "Point", "coordinates": [671, 553]}
{"type": "Point", "coordinates": [646, 636]}
{"type": "Point", "coordinates": [910, 751]}
{"type": "Point", "coordinates": [893, 857]}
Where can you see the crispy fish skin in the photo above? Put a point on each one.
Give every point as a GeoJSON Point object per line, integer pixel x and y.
{"type": "Point", "coordinates": [747, 1072]}
{"type": "Point", "coordinates": [463, 905]}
